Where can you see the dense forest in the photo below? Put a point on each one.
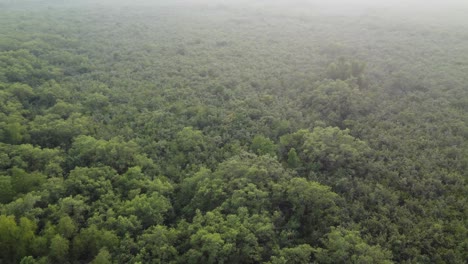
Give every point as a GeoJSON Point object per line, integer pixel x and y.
{"type": "Point", "coordinates": [180, 132]}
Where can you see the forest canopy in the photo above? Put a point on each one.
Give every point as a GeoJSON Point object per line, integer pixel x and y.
{"type": "Point", "coordinates": [247, 132]}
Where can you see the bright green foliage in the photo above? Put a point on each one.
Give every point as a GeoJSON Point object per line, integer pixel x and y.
{"type": "Point", "coordinates": [135, 180]}
{"type": "Point", "coordinates": [13, 133]}
{"type": "Point", "coordinates": [215, 238]}
{"type": "Point", "coordinates": [66, 227]}
{"type": "Point", "coordinates": [90, 182]}
{"type": "Point", "coordinates": [305, 208]}
{"type": "Point", "coordinates": [33, 159]}
{"type": "Point", "coordinates": [263, 146]}
{"type": "Point", "coordinates": [15, 239]}
{"type": "Point", "coordinates": [333, 149]}
{"type": "Point", "coordinates": [53, 131]}
{"type": "Point", "coordinates": [344, 246]}
{"type": "Point", "coordinates": [293, 141]}
{"type": "Point", "coordinates": [297, 255]}
{"type": "Point", "coordinates": [88, 243]}
{"type": "Point", "coordinates": [8, 235]}
{"type": "Point", "coordinates": [24, 182]}
{"type": "Point", "coordinates": [313, 208]}
{"type": "Point", "coordinates": [25, 205]}
{"type": "Point", "coordinates": [75, 207]}
{"type": "Point", "coordinates": [59, 248]}
{"type": "Point", "coordinates": [149, 209]}
{"type": "Point", "coordinates": [102, 258]}
{"type": "Point", "coordinates": [23, 92]}
{"type": "Point", "coordinates": [22, 66]}
{"type": "Point", "coordinates": [327, 150]}
{"type": "Point", "coordinates": [28, 260]}
{"type": "Point", "coordinates": [336, 102]}
{"type": "Point", "coordinates": [157, 245]}
{"type": "Point", "coordinates": [243, 181]}
{"type": "Point", "coordinates": [187, 152]}
{"type": "Point", "coordinates": [88, 151]}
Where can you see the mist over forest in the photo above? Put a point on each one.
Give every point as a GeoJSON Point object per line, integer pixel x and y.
{"type": "Point", "coordinates": [203, 131]}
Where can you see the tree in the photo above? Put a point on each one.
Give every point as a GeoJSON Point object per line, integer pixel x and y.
{"type": "Point", "coordinates": [92, 183]}
{"type": "Point", "coordinates": [23, 92]}
{"type": "Point", "coordinates": [8, 239]}
{"type": "Point", "coordinates": [233, 238]}
{"type": "Point", "coordinates": [158, 245]}
{"type": "Point", "coordinates": [23, 182]}
{"type": "Point", "coordinates": [7, 192]}
{"type": "Point", "coordinates": [35, 159]}
{"type": "Point", "coordinates": [245, 175]}
{"type": "Point", "coordinates": [103, 257]}
{"type": "Point", "coordinates": [149, 208]}
{"type": "Point", "coordinates": [75, 207]}
{"type": "Point", "coordinates": [297, 255]}
{"type": "Point", "coordinates": [263, 146]}
{"type": "Point", "coordinates": [66, 227]}
{"type": "Point", "coordinates": [87, 151]}
{"type": "Point", "coordinates": [28, 260]}
{"type": "Point", "coordinates": [344, 246]}
{"type": "Point", "coordinates": [24, 206]}
{"type": "Point", "coordinates": [293, 141]}
{"type": "Point", "coordinates": [335, 102]}
{"type": "Point", "coordinates": [88, 243]}
{"type": "Point", "coordinates": [13, 133]}
{"type": "Point", "coordinates": [59, 247]}
{"type": "Point", "coordinates": [53, 131]}
{"type": "Point", "coordinates": [333, 149]}
{"type": "Point", "coordinates": [314, 209]}
{"type": "Point", "coordinates": [15, 239]}
{"type": "Point", "coordinates": [293, 159]}
{"type": "Point", "coordinates": [344, 70]}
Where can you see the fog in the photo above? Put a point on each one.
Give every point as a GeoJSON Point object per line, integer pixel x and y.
{"type": "Point", "coordinates": [286, 5]}
{"type": "Point", "coordinates": [432, 12]}
{"type": "Point", "coordinates": [338, 5]}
